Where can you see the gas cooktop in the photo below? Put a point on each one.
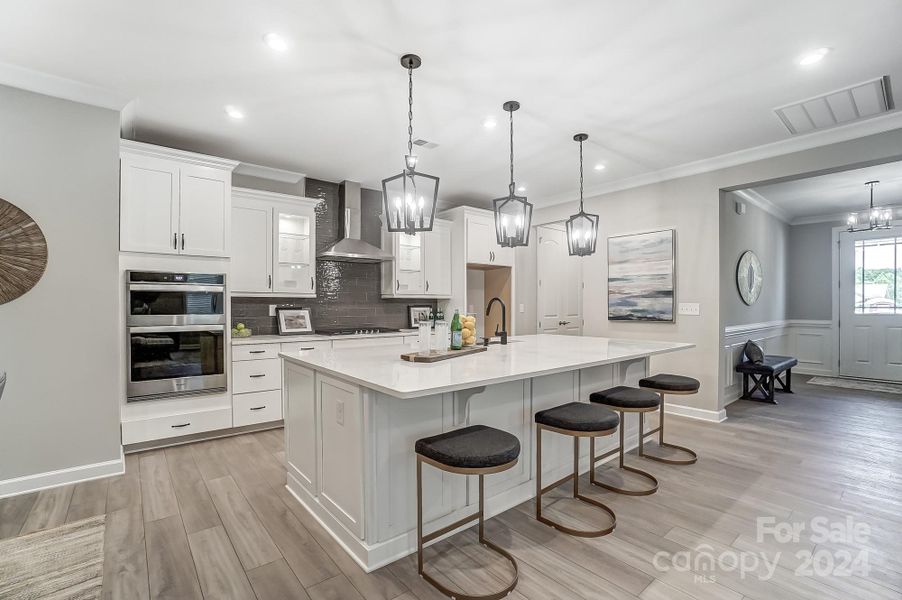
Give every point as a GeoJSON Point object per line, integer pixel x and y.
{"type": "Point", "coordinates": [357, 331]}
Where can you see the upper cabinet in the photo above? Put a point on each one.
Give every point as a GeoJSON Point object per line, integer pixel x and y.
{"type": "Point", "coordinates": [482, 247]}
{"type": "Point", "coordinates": [174, 202]}
{"type": "Point", "coordinates": [422, 263]}
{"type": "Point", "coordinates": [274, 244]}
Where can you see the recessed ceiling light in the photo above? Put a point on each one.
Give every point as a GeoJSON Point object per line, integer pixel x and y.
{"type": "Point", "coordinates": [234, 112]}
{"type": "Point", "coordinates": [522, 188]}
{"type": "Point", "coordinates": [489, 123]}
{"type": "Point", "coordinates": [276, 42]}
{"type": "Point", "coordinates": [599, 167]}
{"type": "Point", "coordinates": [815, 56]}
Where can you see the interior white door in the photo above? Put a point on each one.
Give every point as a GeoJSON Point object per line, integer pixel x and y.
{"type": "Point", "coordinates": [870, 305]}
{"type": "Point", "coordinates": [251, 248]}
{"type": "Point", "coordinates": [438, 261]}
{"type": "Point", "coordinates": [204, 211]}
{"type": "Point", "coordinates": [559, 284]}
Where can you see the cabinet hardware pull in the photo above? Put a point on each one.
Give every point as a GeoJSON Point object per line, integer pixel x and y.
{"type": "Point", "coordinates": [427, 285]}
{"type": "Point", "coordinates": [492, 255]}
{"type": "Point", "coordinates": [397, 284]}
{"type": "Point", "coordinates": [175, 241]}
{"type": "Point", "coordinates": [312, 284]}
{"type": "Point", "coordinates": [310, 348]}
{"type": "Point", "coordinates": [256, 376]}
{"type": "Point", "coordinates": [180, 426]}
{"type": "Point", "coordinates": [258, 407]}
{"type": "Point", "coordinates": [269, 281]}
{"type": "Point", "coordinates": [257, 352]}
{"type": "Point", "coordinates": [183, 241]}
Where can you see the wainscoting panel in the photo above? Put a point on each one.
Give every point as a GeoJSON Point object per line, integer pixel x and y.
{"type": "Point", "coordinates": [811, 342]}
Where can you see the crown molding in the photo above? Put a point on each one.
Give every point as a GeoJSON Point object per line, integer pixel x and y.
{"type": "Point", "coordinates": [798, 143]}
{"type": "Point", "coordinates": [272, 196]}
{"type": "Point", "coordinates": [753, 197]}
{"type": "Point", "coordinates": [60, 87]}
{"type": "Point", "coordinates": [270, 173]}
{"type": "Point", "coordinates": [833, 218]}
{"type": "Point", "coordinates": [154, 151]}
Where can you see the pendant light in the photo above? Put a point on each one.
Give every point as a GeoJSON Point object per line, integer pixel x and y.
{"type": "Point", "coordinates": [875, 217]}
{"type": "Point", "coordinates": [513, 214]}
{"type": "Point", "coordinates": [410, 197]}
{"type": "Point", "coordinates": [582, 228]}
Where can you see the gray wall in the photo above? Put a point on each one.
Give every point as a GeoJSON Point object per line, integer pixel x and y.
{"type": "Point", "coordinates": [768, 237]}
{"type": "Point", "coordinates": [60, 164]}
{"type": "Point", "coordinates": [810, 259]}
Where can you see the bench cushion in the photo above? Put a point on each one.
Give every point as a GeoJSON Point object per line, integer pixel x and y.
{"type": "Point", "coordinates": [474, 447]}
{"type": "Point", "coordinates": [579, 416]}
{"type": "Point", "coordinates": [772, 365]}
{"type": "Point", "coordinates": [667, 382]}
{"type": "Point", "coordinates": [622, 396]}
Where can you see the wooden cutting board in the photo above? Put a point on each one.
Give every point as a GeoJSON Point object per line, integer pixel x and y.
{"type": "Point", "coordinates": [437, 355]}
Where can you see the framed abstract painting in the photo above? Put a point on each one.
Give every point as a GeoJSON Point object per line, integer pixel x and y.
{"type": "Point", "coordinates": [641, 271]}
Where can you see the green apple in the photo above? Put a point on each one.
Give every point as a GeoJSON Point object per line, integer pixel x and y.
{"type": "Point", "coordinates": [239, 326]}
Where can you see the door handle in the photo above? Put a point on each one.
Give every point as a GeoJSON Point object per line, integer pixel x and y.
{"type": "Point", "coordinates": [183, 241]}
{"type": "Point", "coordinates": [257, 376]}
{"type": "Point", "coordinates": [175, 241]}
{"type": "Point", "coordinates": [563, 322]}
{"type": "Point", "coordinates": [258, 407]}
{"type": "Point", "coordinates": [180, 426]}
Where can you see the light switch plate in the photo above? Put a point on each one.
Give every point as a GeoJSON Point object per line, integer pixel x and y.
{"type": "Point", "coordinates": [689, 308]}
{"type": "Point", "coordinates": [522, 308]}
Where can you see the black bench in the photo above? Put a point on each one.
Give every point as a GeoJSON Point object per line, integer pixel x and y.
{"type": "Point", "coordinates": [764, 371]}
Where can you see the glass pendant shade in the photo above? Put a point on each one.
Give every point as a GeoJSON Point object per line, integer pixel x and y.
{"type": "Point", "coordinates": [875, 217]}
{"type": "Point", "coordinates": [582, 228]}
{"type": "Point", "coordinates": [410, 197]}
{"type": "Point", "coordinates": [513, 213]}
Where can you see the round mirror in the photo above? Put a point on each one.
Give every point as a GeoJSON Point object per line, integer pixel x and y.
{"type": "Point", "coordinates": [749, 277]}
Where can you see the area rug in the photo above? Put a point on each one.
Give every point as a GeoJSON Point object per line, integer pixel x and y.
{"type": "Point", "coordinates": [65, 563]}
{"type": "Point", "coordinates": [858, 384]}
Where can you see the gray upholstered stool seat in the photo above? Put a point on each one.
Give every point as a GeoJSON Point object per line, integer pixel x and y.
{"type": "Point", "coordinates": [668, 382]}
{"type": "Point", "coordinates": [627, 398]}
{"type": "Point", "coordinates": [474, 447]}
{"type": "Point", "coordinates": [579, 416]}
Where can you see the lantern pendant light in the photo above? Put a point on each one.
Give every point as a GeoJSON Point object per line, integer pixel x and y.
{"type": "Point", "coordinates": [410, 197]}
{"type": "Point", "coordinates": [875, 217]}
{"type": "Point", "coordinates": [513, 214]}
{"type": "Point", "coordinates": [582, 228]}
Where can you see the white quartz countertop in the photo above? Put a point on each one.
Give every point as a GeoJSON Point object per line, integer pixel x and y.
{"type": "Point", "coordinates": [381, 368]}
{"type": "Point", "coordinates": [278, 339]}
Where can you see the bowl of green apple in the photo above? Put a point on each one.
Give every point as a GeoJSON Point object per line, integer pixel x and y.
{"type": "Point", "coordinates": [241, 331]}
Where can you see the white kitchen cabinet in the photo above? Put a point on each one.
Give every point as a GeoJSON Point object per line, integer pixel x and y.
{"type": "Point", "coordinates": [274, 248]}
{"type": "Point", "coordinates": [174, 202]}
{"type": "Point", "coordinates": [421, 264]}
{"type": "Point", "coordinates": [482, 245]}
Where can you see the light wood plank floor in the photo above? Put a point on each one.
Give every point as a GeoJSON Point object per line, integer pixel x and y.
{"type": "Point", "coordinates": [213, 520]}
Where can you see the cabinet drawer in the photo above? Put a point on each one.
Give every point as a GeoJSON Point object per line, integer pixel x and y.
{"type": "Point", "coordinates": [311, 345]}
{"type": "Point", "coordinates": [255, 352]}
{"type": "Point", "coordinates": [256, 375]}
{"type": "Point", "coordinates": [159, 428]}
{"type": "Point", "coordinates": [257, 407]}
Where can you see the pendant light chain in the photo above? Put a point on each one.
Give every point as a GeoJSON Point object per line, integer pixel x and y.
{"type": "Point", "coordinates": [511, 187]}
{"type": "Point", "coordinates": [409, 109]}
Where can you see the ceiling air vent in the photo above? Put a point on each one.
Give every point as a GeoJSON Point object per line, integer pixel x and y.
{"type": "Point", "coordinates": [856, 102]}
{"type": "Point", "coordinates": [425, 144]}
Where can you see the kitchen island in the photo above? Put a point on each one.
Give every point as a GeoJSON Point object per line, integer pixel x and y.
{"type": "Point", "coordinates": [352, 417]}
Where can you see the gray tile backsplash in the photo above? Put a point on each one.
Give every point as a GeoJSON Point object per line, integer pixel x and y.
{"type": "Point", "coordinates": [348, 294]}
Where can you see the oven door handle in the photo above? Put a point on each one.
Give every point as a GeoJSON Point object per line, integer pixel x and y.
{"type": "Point", "coordinates": [177, 328]}
{"type": "Point", "coordinates": [174, 287]}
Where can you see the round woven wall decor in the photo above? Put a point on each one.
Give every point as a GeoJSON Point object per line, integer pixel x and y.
{"type": "Point", "coordinates": [23, 252]}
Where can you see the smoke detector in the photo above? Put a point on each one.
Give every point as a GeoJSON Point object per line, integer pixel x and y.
{"type": "Point", "coordinates": [860, 101]}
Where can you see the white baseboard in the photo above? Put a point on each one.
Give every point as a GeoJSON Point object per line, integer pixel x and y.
{"type": "Point", "coordinates": [702, 414]}
{"type": "Point", "coordinates": [42, 481]}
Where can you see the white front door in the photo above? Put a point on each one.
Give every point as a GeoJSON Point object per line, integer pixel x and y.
{"type": "Point", "coordinates": [870, 305]}
{"type": "Point", "coordinates": [559, 283]}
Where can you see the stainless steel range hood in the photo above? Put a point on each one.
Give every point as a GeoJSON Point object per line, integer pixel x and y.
{"type": "Point", "coordinates": [350, 247]}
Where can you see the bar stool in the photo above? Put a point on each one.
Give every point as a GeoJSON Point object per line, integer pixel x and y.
{"type": "Point", "coordinates": [474, 450]}
{"type": "Point", "coordinates": [625, 399]}
{"type": "Point", "coordinates": [666, 383]}
{"type": "Point", "coordinates": [578, 420]}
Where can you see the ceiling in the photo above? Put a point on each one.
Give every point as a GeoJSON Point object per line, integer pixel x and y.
{"type": "Point", "coordinates": [833, 194]}
{"type": "Point", "coordinates": [654, 84]}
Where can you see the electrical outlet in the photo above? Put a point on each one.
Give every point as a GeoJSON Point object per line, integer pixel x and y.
{"type": "Point", "coordinates": [340, 413]}
{"type": "Point", "coordinates": [272, 310]}
{"type": "Point", "coordinates": [689, 308]}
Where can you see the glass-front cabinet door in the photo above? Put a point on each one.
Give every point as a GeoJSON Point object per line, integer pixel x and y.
{"type": "Point", "coordinates": [410, 269]}
{"type": "Point", "coordinates": [294, 258]}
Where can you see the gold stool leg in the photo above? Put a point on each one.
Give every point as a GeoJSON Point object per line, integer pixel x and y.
{"type": "Point", "coordinates": [693, 457]}
{"type": "Point", "coordinates": [620, 450]}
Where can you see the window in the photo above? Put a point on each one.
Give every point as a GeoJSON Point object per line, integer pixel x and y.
{"type": "Point", "coordinates": [878, 276]}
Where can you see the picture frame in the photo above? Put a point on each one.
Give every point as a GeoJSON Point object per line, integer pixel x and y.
{"type": "Point", "coordinates": [642, 276]}
{"type": "Point", "coordinates": [294, 321]}
{"type": "Point", "coordinates": [417, 313]}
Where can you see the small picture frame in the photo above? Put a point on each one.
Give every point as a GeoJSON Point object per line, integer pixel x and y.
{"type": "Point", "coordinates": [417, 314]}
{"type": "Point", "coordinates": [294, 321]}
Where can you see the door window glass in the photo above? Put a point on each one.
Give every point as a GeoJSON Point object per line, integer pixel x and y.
{"type": "Point", "coordinates": [878, 276]}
